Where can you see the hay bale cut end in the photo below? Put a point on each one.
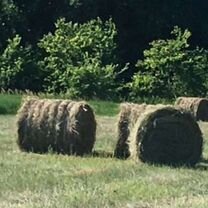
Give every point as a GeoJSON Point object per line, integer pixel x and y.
{"type": "Point", "coordinates": [166, 136]}
{"type": "Point", "coordinates": [129, 112]}
{"type": "Point", "coordinates": [198, 107]}
{"type": "Point", "coordinates": [122, 151]}
{"type": "Point", "coordinates": [62, 126]}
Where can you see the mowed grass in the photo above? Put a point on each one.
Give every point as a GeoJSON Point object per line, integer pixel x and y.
{"type": "Point", "coordinates": [30, 180]}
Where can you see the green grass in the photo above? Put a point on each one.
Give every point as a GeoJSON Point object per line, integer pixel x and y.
{"type": "Point", "coordinates": [9, 104]}
{"type": "Point", "coordinates": [105, 108]}
{"type": "Point", "coordinates": [57, 181]}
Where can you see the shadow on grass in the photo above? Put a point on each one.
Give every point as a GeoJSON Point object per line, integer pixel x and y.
{"type": "Point", "coordinates": [202, 165]}
{"type": "Point", "coordinates": [102, 154]}
{"type": "Point", "coordinates": [3, 111]}
{"type": "Point", "coordinates": [95, 153]}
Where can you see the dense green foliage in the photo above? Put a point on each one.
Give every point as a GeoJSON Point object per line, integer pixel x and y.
{"type": "Point", "coordinates": [11, 63]}
{"type": "Point", "coordinates": [101, 37]}
{"type": "Point", "coordinates": [79, 58]}
{"type": "Point", "coordinates": [171, 69]}
{"type": "Point", "coordinates": [18, 66]}
{"type": "Point", "coordinates": [138, 22]}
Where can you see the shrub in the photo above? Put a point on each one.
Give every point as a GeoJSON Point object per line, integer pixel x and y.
{"type": "Point", "coordinates": [80, 58]}
{"type": "Point", "coordinates": [18, 68]}
{"type": "Point", "coordinates": [92, 80]}
{"type": "Point", "coordinates": [11, 62]}
{"type": "Point", "coordinates": [170, 68]}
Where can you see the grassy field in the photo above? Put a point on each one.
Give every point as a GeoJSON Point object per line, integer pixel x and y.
{"type": "Point", "coordinates": [30, 180]}
{"type": "Point", "coordinates": [9, 104]}
{"type": "Point", "coordinates": [36, 181]}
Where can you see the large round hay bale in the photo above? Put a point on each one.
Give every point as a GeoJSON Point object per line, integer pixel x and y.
{"type": "Point", "coordinates": [129, 112]}
{"type": "Point", "coordinates": [198, 107]}
{"type": "Point", "coordinates": [62, 126]}
{"type": "Point", "coordinates": [166, 135]}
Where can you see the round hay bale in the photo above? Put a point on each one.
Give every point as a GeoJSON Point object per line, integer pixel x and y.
{"type": "Point", "coordinates": [62, 126]}
{"type": "Point", "coordinates": [128, 115]}
{"type": "Point", "coordinates": [198, 107]}
{"type": "Point", "coordinates": [166, 135]}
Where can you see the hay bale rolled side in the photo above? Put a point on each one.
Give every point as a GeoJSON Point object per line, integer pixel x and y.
{"type": "Point", "coordinates": [198, 107]}
{"type": "Point", "coordinates": [62, 126]}
{"type": "Point", "coordinates": [166, 135]}
{"type": "Point", "coordinates": [129, 112]}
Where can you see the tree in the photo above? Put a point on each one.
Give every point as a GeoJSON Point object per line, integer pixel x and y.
{"type": "Point", "coordinates": [18, 68]}
{"type": "Point", "coordinates": [80, 58]}
{"type": "Point", "coordinates": [171, 69]}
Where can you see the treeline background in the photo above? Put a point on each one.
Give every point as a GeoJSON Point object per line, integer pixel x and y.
{"type": "Point", "coordinates": [137, 23]}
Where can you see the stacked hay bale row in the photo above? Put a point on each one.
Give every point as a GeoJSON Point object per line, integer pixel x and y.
{"type": "Point", "coordinates": [158, 134]}
{"type": "Point", "coordinates": [152, 133]}
{"type": "Point", "coordinates": [62, 126]}
{"type": "Point", "coordinates": [198, 107]}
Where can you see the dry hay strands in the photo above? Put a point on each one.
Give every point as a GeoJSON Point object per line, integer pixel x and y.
{"type": "Point", "coordinates": [198, 107]}
{"type": "Point", "coordinates": [129, 112]}
{"type": "Point", "coordinates": [62, 126]}
{"type": "Point", "coordinates": [166, 135]}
